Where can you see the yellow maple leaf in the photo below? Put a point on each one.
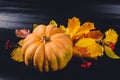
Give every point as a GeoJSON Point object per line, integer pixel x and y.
{"type": "Point", "coordinates": [85, 28]}
{"type": "Point", "coordinates": [16, 54]}
{"type": "Point", "coordinates": [110, 36]}
{"type": "Point", "coordinates": [75, 29]}
{"type": "Point", "coordinates": [21, 42]}
{"type": "Point", "coordinates": [73, 26]}
{"type": "Point", "coordinates": [93, 49]}
{"type": "Point", "coordinates": [84, 42]}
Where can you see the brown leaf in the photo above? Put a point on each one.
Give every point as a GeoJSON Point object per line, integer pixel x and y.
{"type": "Point", "coordinates": [95, 34]}
{"type": "Point", "coordinates": [80, 51]}
{"type": "Point", "coordinates": [22, 33]}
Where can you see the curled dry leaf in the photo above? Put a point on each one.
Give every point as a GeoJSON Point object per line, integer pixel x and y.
{"type": "Point", "coordinates": [94, 50]}
{"type": "Point", "coordinates": [16, 54]}
{"type": "Point", "coordinates": [95, 34]}
{"type": "Point", "coordinates": [111, 36]}
{"type": "Point", "coordinates": [22, 33]}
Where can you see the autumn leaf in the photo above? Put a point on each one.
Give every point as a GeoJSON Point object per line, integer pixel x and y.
{"type": "Point", "coordinates": [84, 42]}
{"type": "Point", "coordinates": [93, 49]}
{"type": "Point", "coordinates": [80, 51]}
{"type": "Point", "coordinates": [21, 42]}
{"type": "Point", "coordinates": [85, 28]}
{"type": "Point", "coordinates": [53, 22]}
{"type": "Point", "coordinates": [16, 54]}
{"type": "Point", "coordinates": [35, 25]}
{"type": "Point", "coordinates": [96, 34]}
{"type": "Point", "coordinates": [62, 27]}
{"type": "Point", "coordinates": [110, 53]}
{"type": "Point", "coordinates": [22, 33]}
{"type": "Point", "coordinates": [110, 36]}
{"type": "Point", "coordinates": [75, 30]}
{"type": "Point", "coordinates": [85, 38]}
{"type": "Point", "coordinates": [73, 26]}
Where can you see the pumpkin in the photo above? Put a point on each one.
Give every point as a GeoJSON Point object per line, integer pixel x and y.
{"type": "Point", "coordinates": [47, 48]}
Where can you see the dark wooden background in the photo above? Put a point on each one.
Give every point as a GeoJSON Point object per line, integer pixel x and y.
{"type": "Point", "coordinates": [16, 14]}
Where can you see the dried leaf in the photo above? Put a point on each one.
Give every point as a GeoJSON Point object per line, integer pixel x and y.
{"type": "Point", "coordinates": [80, 51]}
{"type": "Point", "coordinates": [21, 42]}
{"type": "Point", "coordinates": [95, 34]}
{"type": "Point", "coordinates": [85, 28]}
{"type": "Point", "coordinates": [62, 27]}
{"type": "Point", "coordinates": [110, 36]}
{"type": "Point", "coordinates": [75, 30]}
{"type": "Point", "coordinates": [53, 22]}
{"type": "Point", "coordinates": [84, 42]}
{"type": "Point", "coordinates": [22, 33]}
{"type": "Point", "coordinates": [110, 53]}
{"type": "Point", "coordinates": [73, 26]}
{"type": "Point", "coordinates": [93, 49]}
{"type": "Point", "coordinates": [35, 25]}
{"type": "Point", "coordinates": [16, 55]}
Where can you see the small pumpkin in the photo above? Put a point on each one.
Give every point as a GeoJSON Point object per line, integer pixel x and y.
{"type": "Point", "coordinates": [47, 48]}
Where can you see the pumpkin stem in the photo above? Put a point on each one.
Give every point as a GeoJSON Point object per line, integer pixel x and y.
{"type": "Point", "coordinates": [45, 39]}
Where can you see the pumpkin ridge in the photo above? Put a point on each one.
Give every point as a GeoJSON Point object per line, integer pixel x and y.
{"type": "Point", "coordinates": [51, 57]}
{"type": "Point", "coordinates": [55, 31]}
{"type": "Point", "coordinates": [46, 64]}
{"type": "Point", "coordinates": [40, 30]}
{"type": "Point", "coordinates": [38, 58]}
{"type": "Point", "coordinates": [29, 37]}
{"type": "Point", "coordinates": [59, 54]}
{"type": "Point", "coordinates": [68, 50]}
{"type": "Point", "coordinates": [48, 30]}
{"type": "Point", "coordinates": [30, 51]}
{"type": "Point", "coordinates": [58, 35]}
{"type": "Point", "coordinates": [61, 40]}
{"type": "Point", "coordinates": [26, 44]}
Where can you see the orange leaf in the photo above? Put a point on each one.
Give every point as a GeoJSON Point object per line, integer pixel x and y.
{"type": "Point", "coordinates": [80, 51]}
{"type": "Point", "coordinates": [85, 28]}
{"type": "Point", "coordinates": [73, 26]}
{"type": "Point", "coordinates": [95, 34]}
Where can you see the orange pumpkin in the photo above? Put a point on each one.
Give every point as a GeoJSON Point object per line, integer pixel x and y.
{"type": "Point", "coordinates": [47, 48]}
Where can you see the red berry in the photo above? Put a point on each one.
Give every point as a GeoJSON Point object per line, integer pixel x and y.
{"type": "Point", "coordinates": [6, 47]}
{"type": "Point", "coordinates": [83, 65]}
{"type": "Point", "coordinates": [88, 64]}
{"type": "Point", "coordinates": [7, 44]}
{"type": "Point", "coordinates": [112, 46]}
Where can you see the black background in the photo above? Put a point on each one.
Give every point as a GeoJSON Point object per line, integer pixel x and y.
{"type": "Point", "coordinates": [15, 14]}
